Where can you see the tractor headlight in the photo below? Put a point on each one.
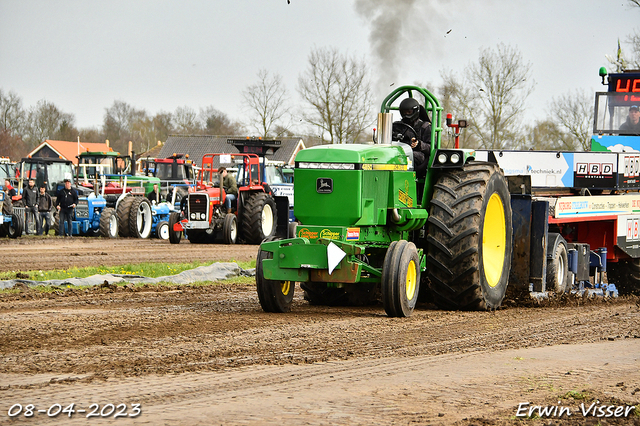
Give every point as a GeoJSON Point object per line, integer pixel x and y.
{"type": "Point", "coordinates": [455, 158]}
{"type": "Point", "coordinates": [203, 216]}
{"type": "Point", "coordinates": [193, 216]}
{"type": "Point", "coordinates": [442, 158]}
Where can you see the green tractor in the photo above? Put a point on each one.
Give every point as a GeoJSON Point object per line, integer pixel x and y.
{"type": "Point", "coordinates": [372, 228]}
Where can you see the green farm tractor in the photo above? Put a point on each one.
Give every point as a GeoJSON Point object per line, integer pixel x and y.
{"type": "Point", "coordinates": [371, 228]}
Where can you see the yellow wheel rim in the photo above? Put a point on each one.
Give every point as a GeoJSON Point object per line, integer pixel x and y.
{"type": "Point", "coordinates": [494, 238]}
{"type": "Point", "coordinates": [285, 287]}
{"type": "Point", "coordinates": [411, 280]}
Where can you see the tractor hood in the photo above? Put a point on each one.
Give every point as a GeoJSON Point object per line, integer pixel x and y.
{"type": "Point", "coordinates": [354, 154]}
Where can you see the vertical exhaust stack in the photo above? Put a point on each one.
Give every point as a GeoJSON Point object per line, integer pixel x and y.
{"type": "Point", "coordinates": [385, 123]}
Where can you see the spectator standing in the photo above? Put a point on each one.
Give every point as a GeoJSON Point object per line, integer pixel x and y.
{"type": "Point", "coordinates": [66, 202]}
{"type": "Point", "coordinates": [45, 204]}
{"type": "Point", "coordinates": [30, 198]}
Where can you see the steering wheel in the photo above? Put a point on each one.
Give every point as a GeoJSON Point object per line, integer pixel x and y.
{"type": "Point", "coordinates": [402, 132]}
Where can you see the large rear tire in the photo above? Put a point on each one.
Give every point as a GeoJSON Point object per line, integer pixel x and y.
{"type": "Point", "coordinates": [259, 218]}
{"type": "Point", "coordinates": [400, 279]}
{"type": "Point", "coordinates": [274, 296]}
{"type": "Point", "coordinates": [140, 218]}
{"type": "Point", "coordinates": [470, 238]}
{"type": "Point", "coordinates": [109, 223]}
{"type": "Point", "coordinates": [174, 236]}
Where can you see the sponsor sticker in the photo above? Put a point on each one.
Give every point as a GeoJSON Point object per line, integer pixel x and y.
{"type": "Point", "coordinates": [353, 234]}
{"type": "Point", "coordinates": [306, 233]}
{"type": "Point", "coordinates": [329, 234]}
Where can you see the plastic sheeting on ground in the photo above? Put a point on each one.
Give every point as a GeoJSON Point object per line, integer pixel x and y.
{"type": "Point", "coordinates": [214, 272]}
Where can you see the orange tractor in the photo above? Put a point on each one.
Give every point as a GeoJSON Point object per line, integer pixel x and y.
{"type": "Point", "coordinates": [258, 214]}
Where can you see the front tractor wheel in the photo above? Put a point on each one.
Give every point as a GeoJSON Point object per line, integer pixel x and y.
{"type": "Point", "coordinates": [274, 296]}
{"type": "Point", "coordinates": [400, 279]}
{"type": "Point", "coordinates": [174, 236]}
{"type": "Point", "coordinates": [230, 229]}
{"type": "Point", "coordinates": [470, 238]}
{"type": "Point", "coordinates": [108, 223]}
{"type": "Point", "coordinates": [162, 230]}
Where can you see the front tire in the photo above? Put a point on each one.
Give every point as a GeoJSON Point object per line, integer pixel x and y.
{"type": "Point", "coordinates": [14, 230]}
{"type": "Point", "coordinates": [470, 238]}
{"type": "Point", "coordinates": [108, 223]}
{"type": "Point", "coordinates": [162, 230]}
{"type": "Point", "coordinates": [230, 229]}
{"type": "Point", "coordinates": [400, 279]}
{"type": "Point", "coordinates": [274, 296]}
{"type": "Point", "coordinates": [174, 236]}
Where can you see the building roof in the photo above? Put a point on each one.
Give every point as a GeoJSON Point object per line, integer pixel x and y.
{"type": "Point", "coordinates": [67, 150]}
{"type": "Point", "coordinates": [197, 146]}
{"type": "Point", "coordinates": [152, 153]}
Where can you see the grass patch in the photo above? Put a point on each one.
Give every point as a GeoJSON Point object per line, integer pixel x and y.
{"type": "Point", "coordinates": [152, 270]}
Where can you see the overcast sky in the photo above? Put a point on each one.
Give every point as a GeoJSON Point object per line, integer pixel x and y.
{"type": "Point", "coordinates": [158, 55]}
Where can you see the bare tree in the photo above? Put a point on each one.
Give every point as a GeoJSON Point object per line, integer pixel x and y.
{"type": "Point", "coordinates": [574, 113]}
{"type": "Point", "coordinates": [266, 102]}
{"type": "Point", "coordinates": [216, 122]}
{"type": "Point", "coordinates": [46, 121]}
{"type": "Point", "coordinates": [492, 94]}
{"type": "Point", "coordinates": [337, 90]}
{"type": "Point", "coordinates": [117, 124]}
{"type": "Point", "coordinates": [12, 116]}
{"type": "Point", "coordinates": [548, 135]}
{"type": "Point", "coordinates": [185, 120]}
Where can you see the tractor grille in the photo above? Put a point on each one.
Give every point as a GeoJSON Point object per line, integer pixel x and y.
{"type": "Point", "coordinates": [198, 206]}
{"type": "Point", "coordinates": [82, 210]}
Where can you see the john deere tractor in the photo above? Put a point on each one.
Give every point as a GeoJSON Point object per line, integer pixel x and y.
{"type": "Point", "coordinates": [372, 228]}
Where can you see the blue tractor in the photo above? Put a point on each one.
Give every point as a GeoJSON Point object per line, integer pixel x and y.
{"type": "Point", "coordinates": [92, 216]}
{"type": "Point", "coordinates": [11, 223]}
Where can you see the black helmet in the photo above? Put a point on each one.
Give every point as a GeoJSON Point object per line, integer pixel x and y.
{"type": "Point", "coordinates": [410, 109]}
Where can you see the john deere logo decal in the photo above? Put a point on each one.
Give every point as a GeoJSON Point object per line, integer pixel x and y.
{"type": "Point", "coordinates": [324, 186]}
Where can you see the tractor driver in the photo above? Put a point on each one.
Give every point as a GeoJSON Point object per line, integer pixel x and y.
{"type": "Point", "coordinates": [420, 137]}
{"type": "Point", "coordinates": [230, 187]}
{"type": "Point", "coordinates": [632, 125]}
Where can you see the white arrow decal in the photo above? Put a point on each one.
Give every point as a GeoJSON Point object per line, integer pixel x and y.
{"type": "Point", "coordinates": [334, 256]}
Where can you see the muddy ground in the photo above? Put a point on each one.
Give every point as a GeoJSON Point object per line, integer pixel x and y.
{"type": "Point", "coordinates": [209, 355]}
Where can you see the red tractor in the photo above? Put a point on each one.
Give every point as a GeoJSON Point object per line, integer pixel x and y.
{"type": "Point", "coordinates": [203, 216]}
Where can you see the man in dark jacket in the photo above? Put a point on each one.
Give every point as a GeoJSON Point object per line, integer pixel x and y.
{"type": "Point", "coordinates": [66, 202]}
{"type": "Point", "coordinates": [632, 125]}
{"type": "Point", "coordinates": [45, 204]}
{"type": "Point", "coordinates": [230, 188]}
{"type": "Point", "coordinates": [30, 198]}
{"type": "Point", "coordinates": [414, 131]}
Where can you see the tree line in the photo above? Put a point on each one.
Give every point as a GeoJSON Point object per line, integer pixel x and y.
{"type": "Point", "coordinates": [335, 106]}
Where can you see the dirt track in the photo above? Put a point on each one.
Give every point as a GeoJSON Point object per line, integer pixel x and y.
{"type": "Point", "coordinates": [209, 355]}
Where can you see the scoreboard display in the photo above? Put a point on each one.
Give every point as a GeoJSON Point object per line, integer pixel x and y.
{"type": "Point", "coordinates": [628, 86]}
